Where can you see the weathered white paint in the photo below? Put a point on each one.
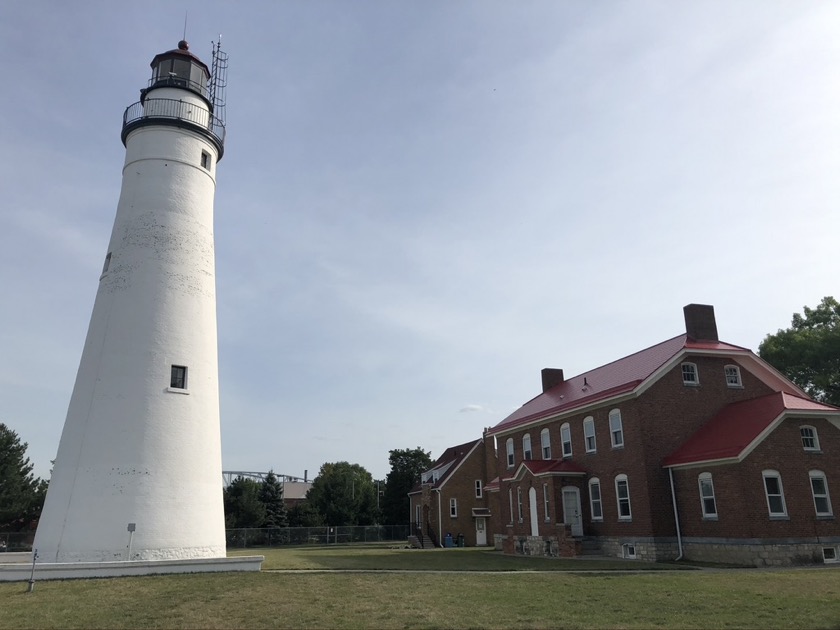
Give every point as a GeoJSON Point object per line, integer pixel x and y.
{"type": "Point", "coordinates": [132, 450]}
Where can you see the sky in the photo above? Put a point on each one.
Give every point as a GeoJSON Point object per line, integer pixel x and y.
{"type": "Point", "coordinates": [423, 204]}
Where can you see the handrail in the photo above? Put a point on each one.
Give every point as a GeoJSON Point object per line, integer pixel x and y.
{"type": "Point", "coordinates": [171, 109]}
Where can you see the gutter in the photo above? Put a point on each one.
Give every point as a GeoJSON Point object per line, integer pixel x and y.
{"type": "Point", "coordinates": [676, 514]}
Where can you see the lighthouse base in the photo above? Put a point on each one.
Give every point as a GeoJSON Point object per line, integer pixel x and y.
{"type": "Point", "coordinates": [21, 569]}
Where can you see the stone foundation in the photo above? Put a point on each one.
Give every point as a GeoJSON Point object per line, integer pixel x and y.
{"type": "Point", "coordinates": [759, 553]}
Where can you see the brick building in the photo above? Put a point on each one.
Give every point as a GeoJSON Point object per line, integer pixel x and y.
{"type": "Point", "coordinates": [450, 497]}
{"type": "Point", "coordinates": [692, 448]}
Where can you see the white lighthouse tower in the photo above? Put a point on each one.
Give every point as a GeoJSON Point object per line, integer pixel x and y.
{"type": "Point", "coordinates": [138, 475]}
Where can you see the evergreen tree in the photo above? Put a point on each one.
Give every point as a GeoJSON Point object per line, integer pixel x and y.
{"type": "Point", "coordinates": [243, 507]}
{"type": "Point", "coordinates": [406, 467]}
{"type": "Point", "coordinates": [271, 495]}
{"type": "Point", "coordinates": [21, 493]}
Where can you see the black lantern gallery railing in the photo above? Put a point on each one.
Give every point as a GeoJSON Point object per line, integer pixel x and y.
{"type": "Point", "coordinates": [173, 112]}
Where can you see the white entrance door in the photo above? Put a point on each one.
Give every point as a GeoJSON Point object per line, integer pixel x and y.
{"type": "Point", "coordinates": [571, 510]}
{"type": "Point", "coordinates": [535, 519]}
{"type": "Point", "coordinates": [480, 531]}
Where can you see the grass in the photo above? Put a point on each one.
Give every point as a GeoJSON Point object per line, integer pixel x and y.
{"type": "Point", "coordinates": [374, 557]}
{"type": "Point", "coordinates": [801, 598]}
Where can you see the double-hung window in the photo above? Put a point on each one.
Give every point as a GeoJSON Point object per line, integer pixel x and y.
{"type": "Point", "coordinates": [595, 505]}
{"type": "Point", "coordinates": [545, 503]}
{"type": "Point", "coordinates": [453, 507]}
{"type": "Point", "coordinates": [509, 448]}
{"type": "Point", "coordinates": [810, 440]}
{"type": "Point", "coordinates": [775, 494]}
{"type": "Point", "coordinates": [689, 374]}
{"type": "Point", "coordinates": [545, 444]}
{"type": "Point", "coordinates": [526, 446]}
{"type": "Point", "coordinates": [707, 496]}
{"type": "Point", "coordinates": [732, 373]}
{"type": "Point", "coordinates": [616, 429]}
{"type": "Point", "coordinates": [479, 491]}
{"type": "Point", "coordinates": [566, 439]}
{"type": "Point", "coordinates": [589, 434]}
{"type": "Point", "coordinates": [819, 490]}
{"type": "Point", "coordinates": [622, 495]}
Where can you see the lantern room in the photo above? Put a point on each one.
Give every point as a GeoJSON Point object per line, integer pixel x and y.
{"type": "Point", "coordinates": [180, 68]}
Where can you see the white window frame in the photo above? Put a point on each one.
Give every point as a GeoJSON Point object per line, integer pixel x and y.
{"type": "Point", "coordinates": [818, 474]}
{"type": "Point", "coordinates": [479, 490]}
{"type": "Point", "coordinates": [628, 550]}
{"type": "Point", "coordinates": [707, 493]}
{"type": "Point", "coordinates": [511, 460]}
{"type": "Point", "coordinates": [526, 447]}
{"type": "Point", "coordinates": [813, 438]}
{"type": "Point", "coordinates": [510, 504]}
{"type": "Point", "coordinates": [830, 555]}
{"type": "Point", "coordinates": [616, 429]}
{"type": "Point", "coordinates": [519, 503]}
{"type": "Point", "coordinates": [453, 507]}
{"type": "Point", "coordinates": [546, 504]}
{"type": "Point", "coordinates": [732, 374]}
{"type": "Point", "coordinates": [621, 480]}
{"type": "Point", "coordinates": [566, 439]}
{"type": "Point", "coordinates": [690, 375]}
{"type": "Point", "coordinates": [595, 482]}
{"type": "Point", "coordinates": [589, 434]}
{"type": "Point", "coordinates": [545, 443]}
{"type": "Point", "coordinates": [774, 474]}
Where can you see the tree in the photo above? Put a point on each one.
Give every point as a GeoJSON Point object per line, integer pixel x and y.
{"type": "Point", "coordinates": [21, 493]}
{"type": "Point", "coordinates": [271, 496]}
{"type": "Point", "coordinates": [406, 467]}
{"type": "Point", "coordinates": [243, 507]}
{"type": "Point", "coordinates": [344, 494]}
{"type": "Point", "coordinates": [808, 352]}
{"type": "Point", "coordinates": [304, 515]}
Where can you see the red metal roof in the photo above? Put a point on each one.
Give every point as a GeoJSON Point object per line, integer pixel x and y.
{"type": "Point", "coordinates": [740, 426]}
{"type": "Point", "coordinates": [613, 379]}
{"type": "Point", "coordinates": [540, 467]}
{"type": "Point", "coordinates": [453, 456]}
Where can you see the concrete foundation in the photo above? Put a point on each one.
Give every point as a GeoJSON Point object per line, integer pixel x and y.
{"type": "Point", "coordinates": [21, 569]}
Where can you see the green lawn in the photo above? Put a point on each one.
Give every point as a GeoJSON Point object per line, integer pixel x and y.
{"type": "Point", "coordinates": [797, 598]}
{"type": "Point", "coordinates": [378, 557]}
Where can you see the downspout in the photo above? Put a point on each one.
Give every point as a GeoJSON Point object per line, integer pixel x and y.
{"type": "Point", "coordinates": [676, 515]}
{"type": "Point", "coordinates": [440, 522]}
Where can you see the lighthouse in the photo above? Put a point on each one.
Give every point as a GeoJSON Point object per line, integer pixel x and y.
{"type": "Point", "coordinates": [138, 473]}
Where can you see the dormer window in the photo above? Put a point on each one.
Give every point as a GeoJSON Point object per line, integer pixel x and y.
{"type": "Point", "coordinates": [689, 374]}
{"type": "Point", "coordinates": [733, 376]}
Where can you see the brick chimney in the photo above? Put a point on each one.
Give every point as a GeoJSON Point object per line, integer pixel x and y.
{"type": "Point", "coordinates": [551, 377]}
{"type": "Point", "coordinates": [700, 322]}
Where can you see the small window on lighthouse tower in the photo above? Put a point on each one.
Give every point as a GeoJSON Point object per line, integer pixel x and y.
{"type": "Point", "coordinates": [178, 378]}
{"type": "Point", "coordinates": [205, 160]}
{"type": "Point", "coordinates": [107, 263]}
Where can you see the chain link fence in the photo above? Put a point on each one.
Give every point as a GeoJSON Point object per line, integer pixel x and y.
{"type": "Point", "coordinates": [242, 538]}
{"type": "Point", "coordinates": [16, 541]}
{"type": "Point", "coordinates": [315, 535]}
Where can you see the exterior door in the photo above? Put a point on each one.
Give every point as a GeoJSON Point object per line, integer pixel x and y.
{"type": "Point", "coordinates": [571, 510]}
{"type": "Point", "coordinates": [480, 531]}
{"type": "Point", "coordinates": [535, 519]}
